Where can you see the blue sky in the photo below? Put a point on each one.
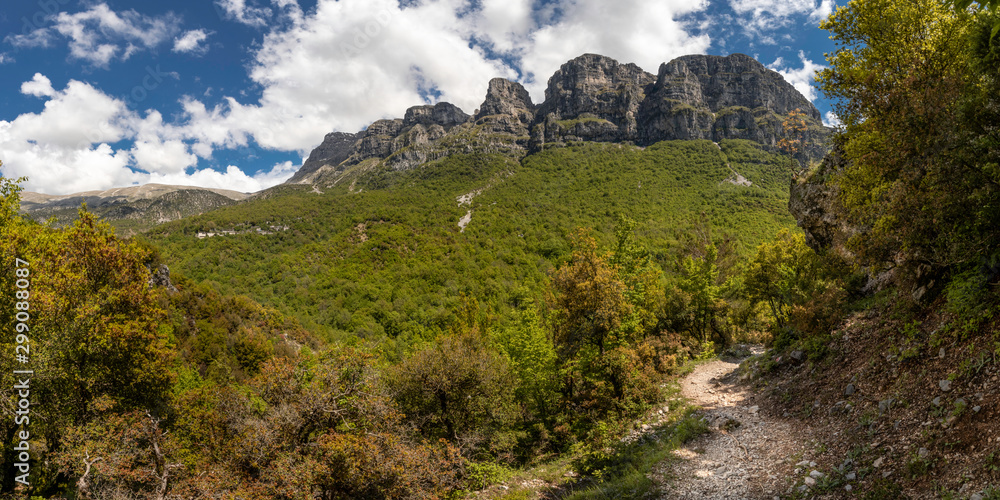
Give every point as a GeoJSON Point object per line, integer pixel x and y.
{"type": "Point", "coordinates": [235, 93]}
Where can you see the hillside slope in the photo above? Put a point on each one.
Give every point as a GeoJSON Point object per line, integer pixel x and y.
{"type": "Point", "coordinates": [385, 255]}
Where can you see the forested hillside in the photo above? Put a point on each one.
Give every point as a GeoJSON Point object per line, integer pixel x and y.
{"type": "Point", "coordinates": [383, 255]}
{"type": "Point", "coordinates": [443, 302]}
{"type": "Point", "coordinates": [432, 358]}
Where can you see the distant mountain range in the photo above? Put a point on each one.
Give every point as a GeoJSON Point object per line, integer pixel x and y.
{"type": "Point", "coordinates": [131, 208]}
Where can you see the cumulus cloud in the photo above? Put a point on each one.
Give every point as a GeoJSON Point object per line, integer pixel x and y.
{"type": "Point", "coordinates": [628, 30]}
{"type": "Point", "coordinates": [190, 41]}
{"type": "Point", "coordinates": [69, 146]}
{"type": "Point", "coordinates": [385, 57]}
{"type": "Point", "coordinates": [239, 11]}
{"type": "Point", "coordinates": [66, 147]}
{"type": "Point", "coordinates": [800, 78]}
{"type": "Point", "coordinates": [830, 119]}
{"type": "Point", "coordinates": [39, 86]}
{"type": "Point", "coordinates": [760, 18]}
{"type": "Point", "coordinates": [99, 35]}
{"type": "Point", "coordinates": [233, 178]}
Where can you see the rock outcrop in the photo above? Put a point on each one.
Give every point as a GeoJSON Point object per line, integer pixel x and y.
{"type": "Point", "coordinates": [335, 148]}
{"type": "Point", "coordinates": [160, 277]}
{"type": "Point", "coordinates": [815, 205]}
{"type": "Point", "coordinates": [590, 98]}
{"type": "Point", "coordinates": [506, 110]}
{"type": "Point", "coordinates": [733, 97]}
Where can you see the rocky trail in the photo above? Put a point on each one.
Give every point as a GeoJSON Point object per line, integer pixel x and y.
{"type": "Point", "coordinates": [745, 454]}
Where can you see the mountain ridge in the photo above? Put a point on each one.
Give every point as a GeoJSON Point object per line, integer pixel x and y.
{"type": "Point", "coordinates": [132, 208]}
{"type": "Point", "coordinates": [590, 98]}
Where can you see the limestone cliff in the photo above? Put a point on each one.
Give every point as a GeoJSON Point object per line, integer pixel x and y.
{"type": "Point", "coordinates": [590, 98]}
{"type": "Point", "coordinates": [815, 205]}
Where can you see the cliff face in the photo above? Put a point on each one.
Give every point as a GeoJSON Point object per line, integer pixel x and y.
{"type": "Point", "coordinates": [814, 204]}
{"type": "Point", "coordinates": [734, 97]}
{"type": "Point", "coordinates": [590, 98]}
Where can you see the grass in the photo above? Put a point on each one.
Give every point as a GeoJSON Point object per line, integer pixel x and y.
{"type": "Point", "coordinates": [626, 474]}
{"type": "Point", "coordinates": [624, 470]}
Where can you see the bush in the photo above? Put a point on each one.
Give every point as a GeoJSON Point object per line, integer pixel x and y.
{"type": "Point", "coordinates": [460, 390]}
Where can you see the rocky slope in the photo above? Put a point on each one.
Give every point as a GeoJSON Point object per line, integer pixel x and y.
{"type": "Point", "coordinates": [590, 98]}
{"type": "Point", "coordinates": [133, 208]}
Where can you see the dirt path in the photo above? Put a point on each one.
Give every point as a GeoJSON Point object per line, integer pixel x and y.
{"type": "Point", "coordinates": [746, 455]}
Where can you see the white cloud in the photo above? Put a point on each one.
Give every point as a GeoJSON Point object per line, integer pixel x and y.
{"type": "Point", "coordinates": [39, 86]}
{"type": "Point", "coordinates": [66, 147]}
{"type": "Point", "coordinates": [822, 11]}
{"type": "Point", "coordinates": [385, 58]}
{"type": "Point", "coordinates": [99, 35]}
{"type": "Point", "coordinates": [167, 157]}
{"type": "Point", "coordinates": [233, 178]}
{"type": "Point", "coordinates": [70, 146]}
{"type": "Point", "coordinates": [239, 11]}
{"type": "Point", "coordinates": [41, 37]}
{"type": "Point", "coordinates": [801, 78]}
{"type": "Point", "coordinates": [6, 58]}
{"type": "Point", "coordinates": [830, 119]}
{"type": "Point", "coordinates": [762, 17]}
{"type": "Point", "coordinates": [628, 30]}
{"type": "Point", "coordinates": [190, 41]}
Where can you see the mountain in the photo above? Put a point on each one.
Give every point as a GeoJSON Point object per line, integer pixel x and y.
{"type": "Point", "coordinates": [498, 193]}
{"type": "Point", "coordinates": [437, 295]}
{"type": "Point", "coordinates": [131, 209]}
{"type": "Point", "coordinates": [590, 98]}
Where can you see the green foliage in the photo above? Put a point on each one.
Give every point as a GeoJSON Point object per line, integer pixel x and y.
{"type": "Point", "coordinates": [532, 358]}
{"type": "Point", "coordinates": [389, 261]}
{"type": "Point", "coordinates": [703, 301]}
{"type": "Point", "coordinates": [917, 91]}
{"type": "Point", "coordinates": [623, 471]}
{"type": "Point", "coordinates": [438, 346]}
{"type": "Point", "coordinates": [484, 474]}
{"type": "Point", "coordinates": [786, 273]}
{"type": "Point", "coordinates": [460, 389]}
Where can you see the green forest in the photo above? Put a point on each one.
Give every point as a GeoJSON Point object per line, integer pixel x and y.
{"type": "Point", "coordinates": [356, 342]}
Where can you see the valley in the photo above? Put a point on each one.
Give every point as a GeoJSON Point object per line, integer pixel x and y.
{"type": "Point", "coordinates": [678, 285]}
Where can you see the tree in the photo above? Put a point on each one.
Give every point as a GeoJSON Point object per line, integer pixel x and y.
{"type": "Point", "coordinates": [461, 390]}
{"type": "Point", "coordinates": [97, 322]}
{"type": "Point", "coordinates": [698, 281]}
{"type": "Point", "coordinates": [592, 301]}
{"type": "Point", "coordinates": [782, 273]}
{"type": "Point", "coordinates": [918, 103]}
{"type": "Point", "coordinates": [793, 141]}
{"type": "Point", "coordinates": [533, 360]}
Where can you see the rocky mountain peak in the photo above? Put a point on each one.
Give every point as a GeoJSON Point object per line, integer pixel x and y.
{"type": "Point", "coordinates": [335, 148]}
{"type": "Point", "coordinates": [734, 80]}
{"type": "Point", "coordinates": [590, 98]}
{"type": "Point", "coordinates": [592, 83]}
{"type": "Point", "coordinates": [444, 114]}
{"type": "Point", "coordinates": [505, 97]}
